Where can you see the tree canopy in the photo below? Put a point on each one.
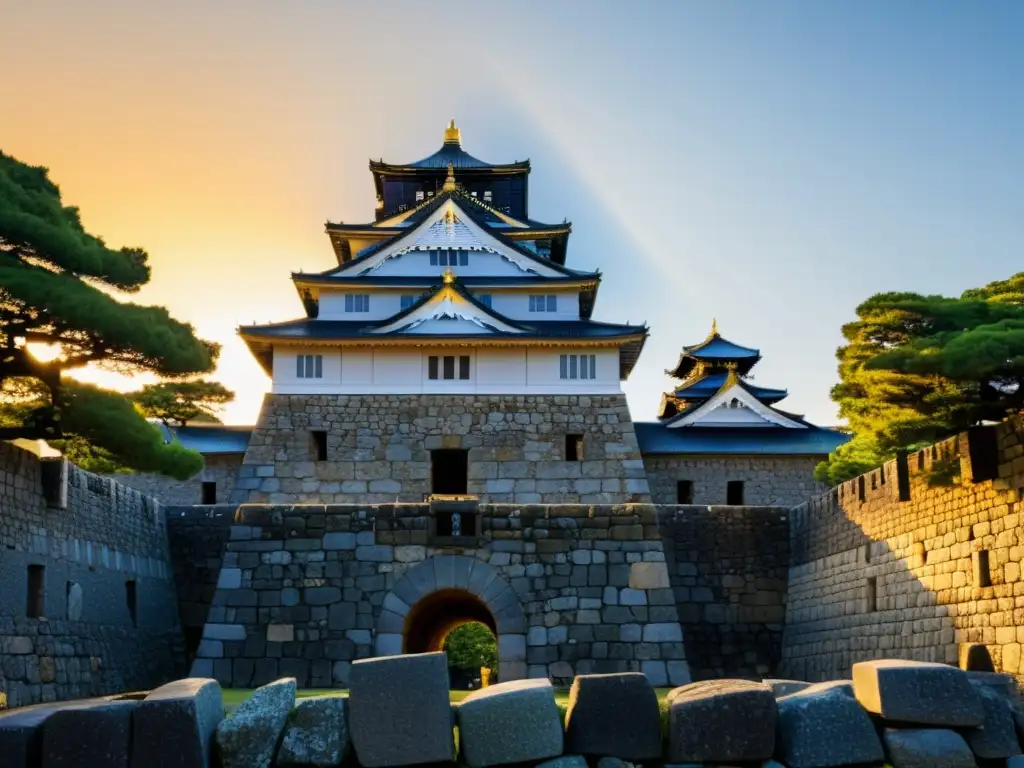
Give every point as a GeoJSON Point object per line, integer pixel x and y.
{"type": "Point", "coordinates": [471, 646]}
{"type": "Point", "coordinates": [179, 402]}
{"type": "Point", "coordinates": [917, 369]}
{"type": "Point", "coordinates": [56, 286]}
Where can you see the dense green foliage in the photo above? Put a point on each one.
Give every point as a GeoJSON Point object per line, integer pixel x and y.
{"type": "Point", "coordinates": [179, 402]}
{"type": "Point", "coordinates": [56, 282]}
{"type": "Point", "coordinates": [916, 369]}
{"type": "Point", "coordinates": [471, 646]}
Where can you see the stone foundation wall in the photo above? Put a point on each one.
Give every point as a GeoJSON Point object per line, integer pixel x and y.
{"type": "Point", "coordinates": [221, 469]}
{"type": "Point", "coordinates": [305, 590]}
{"type": "Point", "coordinates": [198, 537]}
{"type": "Point", "coordinates": [378, 449]}
{"type": "Point", "coordinates": [887, 565]}
{"type": "Point", "coordinates": [728, 567]}
{"type": "Point", "coordinates": [82, 538]}
{"type": "Point", "coordinates": [782, 481]}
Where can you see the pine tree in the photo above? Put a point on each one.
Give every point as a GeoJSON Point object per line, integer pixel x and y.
{"type": "Point", "coordinates": [56, 281]}
{"type": "Point", "coordinates": [917, 369]}
{"type": "Point", "coordinates": [179, 402]}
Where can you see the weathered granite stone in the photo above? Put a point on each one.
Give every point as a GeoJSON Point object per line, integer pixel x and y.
{"type": "Point", "coordinates": [917, 692]}
{"type": "Point", "coordinates": [316, 733]}
{"type": "Point", "coordinates": [565, 761]}
{"type": "Point", "coordinates": [782, 688]}
{"type": "Point", "coordinates": [721, 721]}
{"type": "Point", "coordinates": [21, 732]}
{"type": "Point", "coordinates": [615, 715]}
{"type": "Point", "coordinates": [96, 734]}
{"type": "Point", "coordinates": [613, 762]}
{"type": "Point", "coordinates": [399, 712]}
{"type": "Point", "coordinates": [173, 726]}
{"type": "Point", "coordinates": [823, 726]}
{"type": "Point", "coordinates": [997, 738]}
{"type": "Point", "coordinates": [248, 737]}
{"type": "Point", "coordinates": [926, 748]}
{"type": "Point", "coordinates": [509, 722]}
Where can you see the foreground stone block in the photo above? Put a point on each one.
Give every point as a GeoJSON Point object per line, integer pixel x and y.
{"type": "Point", "coordinates": [997, 738]}
{"type": "Point", "coordinates": [917, 692]}
{"type": "Point", "coordinates": [316, 733]}
{"type": "Point", "coordinates": [614, 715]}
{"type": "Point", "coordinates": [926, 748]}
{"type": "Point", "coordinates": [399, 712]}
{"type": "Point", "coordinates": [514, 722]}
{"type": "Point", "coordinates": [21, 732]}
{"type": "Point", "coordinates": [720, 721]}
{"type": "Point", "coordinates": [565, 761]}
{"type": "Point", "coordinates": [248, 738]}
{"type": "Point", "coordinates": [823, 726]}
{"type": "Point", "coordinates": [782, 688]}
{"type": "Point", "coordinates": [175, 724]}
{"type": "Point", "coordinates": [97, 734]}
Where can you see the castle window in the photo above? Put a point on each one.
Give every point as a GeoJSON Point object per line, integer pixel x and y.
{"type": "Point", "coordinates": [684, 492]}
{"type": "Point", "coordinates": [734, 493]}
{"type": "Point", "coordinates": [309, 366]}
{"type": "Point", "coordinates": [318, 438]}
{"type": "Point", "coordinates": [488, 196]}
{"type": "Point", "coordinates": [871, 594]}
{"type": "Point", "coordinates": [445, 366]}
{"type": "Point", "coordinates": [209, 493]}
{"type": "Point", "coordinates": [36, 607]}
{"type": "Point", "coordinates": [548, 303]}
{"type": "Point", "coordinates": [473, 194]}
{"type": "Point", "coordinates": [574, 447]}
{"type": "Point", "coordinates": [419, 195]}
{"type": "Point", "coordinates": [357, 302]}
{"type": "Point", "coordinates": [430, 194]}
{"type": "Point", "coordinates": [982, 573]}
{"type": "Point", "coordinates": [577, 367]}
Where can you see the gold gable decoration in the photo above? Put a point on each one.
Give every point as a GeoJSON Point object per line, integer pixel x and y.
{"type": "Point", "coordinates": [452, 135]}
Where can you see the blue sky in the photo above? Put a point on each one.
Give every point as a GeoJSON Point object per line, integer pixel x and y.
{"type": "Point", "coordinates": [770, 164]}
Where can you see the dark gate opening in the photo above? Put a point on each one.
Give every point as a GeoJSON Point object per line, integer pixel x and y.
{"type": "Point", "coordinates": [449, 471]}
{"type": "Point", "coordinates": [437, 614]}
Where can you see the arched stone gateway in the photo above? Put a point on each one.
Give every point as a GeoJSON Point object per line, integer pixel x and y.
{"type": "Point", "coordinates": [444, 591]}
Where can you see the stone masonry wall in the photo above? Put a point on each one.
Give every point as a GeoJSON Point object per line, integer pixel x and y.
{"type": "Point", "coordinates": [378, 449]}
{"type": "Point", "coordinates": [90, 537]}
{"type": "Point", "coordinates": [919, 578]}
{"type": "Point", "coordinates": [728, 567]}
{"type": "Point", "coordinates": [783, 481]}
{"type": "Point", "coordinates": [219, 468]}
{"type": "Point", "coordinates": [198, 537]}
{"type": "Point", "coordinates": [572, 589]}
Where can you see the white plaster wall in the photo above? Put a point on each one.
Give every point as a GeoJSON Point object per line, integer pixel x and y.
{"type": "Point", "coordinates": [517, 305]}
{"type": "Point", "coordinates": [387, 304]}
{"type": "Point", "coordinates": [403, 370]}
{"type": "Point", "coordinates": [382, 306]}
{"type": "Point", "coordinates": [481, 264]}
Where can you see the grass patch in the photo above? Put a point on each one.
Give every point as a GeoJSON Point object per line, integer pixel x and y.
{"type": "Point", "coordinates": [235, 696]}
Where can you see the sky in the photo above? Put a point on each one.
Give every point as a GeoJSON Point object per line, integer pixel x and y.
{"type": "Point", "coordinates": [769, 164]}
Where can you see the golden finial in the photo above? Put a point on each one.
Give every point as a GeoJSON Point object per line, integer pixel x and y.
{"type": "Point", "coordinates": [448, 276]}
{"type": "Point", "coordinates": [449, 183]}
{"type": "Point", "coordinates": [714, 326]}
{"type": "Point", "coordinates": [452, 135]}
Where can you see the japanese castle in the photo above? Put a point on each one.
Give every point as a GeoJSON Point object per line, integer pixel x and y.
{"type": "Point", "coordinates": [453, 351]}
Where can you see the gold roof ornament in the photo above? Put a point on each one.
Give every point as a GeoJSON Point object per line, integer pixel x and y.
{"type": "Point", "coordinates": [452, 135]}
{"type": "Point", "coordinates": [449, 183]}
{"type": "Point", "coordinates": [448, 277]}
{"type": "Point", "coordinates": [714, 326]}
{"type": "Point", "coordinates": [733, 376]}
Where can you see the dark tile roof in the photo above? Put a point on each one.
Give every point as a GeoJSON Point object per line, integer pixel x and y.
{"type": "Point", "coordinates": [706, 386]}
{"type": "Point", "coordinates": [656, 438]}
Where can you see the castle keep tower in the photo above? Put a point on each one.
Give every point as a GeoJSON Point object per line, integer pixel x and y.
{"type": "Point", "coordinates": [451, 351]}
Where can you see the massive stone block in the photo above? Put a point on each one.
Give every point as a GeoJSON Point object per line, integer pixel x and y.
{"type": "Point", "coordinates": [917, 692]}
{"type": "Point", "coordinates": [721, 721]}
{"type": "Point", "coordinates": [613, 715]}
{"type": "Point", "coordinates": [823, 726]}
{"type": "Point", "coordinates": [249, 736]}
{"type": "Point", "coordinates": [926, 748]}
{"type": "Point", "coordinates": [512, 722]}
{"type": "Point", "coordinates": [399, 713]}
{"type": "Point", "coordinates": [316, 733]}
{"type": "Point", "coordinates": [90, 735]}
{"type": "Point", "coordinates": [174, 725]}
{"type": "Point", "coordinates": [997, 738]}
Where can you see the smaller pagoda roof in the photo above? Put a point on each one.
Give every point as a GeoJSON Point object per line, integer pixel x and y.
{"type": "Point", "coordinates": [715, 349]}
{"type": "Point", "coordinates": [209, 438]}
{"type": "Point", "coordinates": [707, 385]}
{"type": "Point", "coordinates": [451, 154]}
{"type": "Point", "coordinates": [657, 439]}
